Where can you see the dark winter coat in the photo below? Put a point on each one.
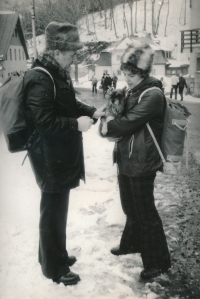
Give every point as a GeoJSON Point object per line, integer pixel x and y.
{"type": "Point", "coordinates": [107, 82]}
{"type": "Point", "coordinates": [56, 154]}
{"type": "Point", "coordinates": [182, 83]}
{"type": "Point", "coordinates": [142, 158]}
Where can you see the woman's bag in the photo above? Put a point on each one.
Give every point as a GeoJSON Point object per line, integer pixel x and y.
{"type": "Point", "coordinates": [174, 135]}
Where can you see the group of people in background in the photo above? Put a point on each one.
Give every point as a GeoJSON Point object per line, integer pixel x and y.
{"type": "Point", "coordinates": [177, 83]}
{"type": "Point", "coordinates": [106, 83]}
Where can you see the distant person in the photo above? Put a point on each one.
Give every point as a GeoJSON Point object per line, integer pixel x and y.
{"type": "Point", "coordinates": [174, 85]}
{"type": "Point", "coordinates": [114, 80]}
{"type": "Point", "coordinates": [102, 79]}
{"type": "Point", "coordinates": [181, 85]}
{"type": "Point", "coordinates": [107, 84]}
{"type": "Point", "coordinates": [163, 84]}
{"type": "Point", "coordinates": [94, 84]}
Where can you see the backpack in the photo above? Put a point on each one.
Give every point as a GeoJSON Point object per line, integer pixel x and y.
{"type": "Point", "coordinates": [174, 135]}
{"type": "Point", "coordinates": [17, 128]}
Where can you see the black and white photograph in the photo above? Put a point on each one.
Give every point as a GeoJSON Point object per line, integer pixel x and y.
{"type": "Point", "coordinates": [100, 149]}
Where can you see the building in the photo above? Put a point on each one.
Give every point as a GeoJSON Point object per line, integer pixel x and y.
{"type": "Point", "coordinates": [109, 60]}
{"type": "Point", "coordinates": [190, 43]}
{"type": "Point", "coordinates": [13, 50]}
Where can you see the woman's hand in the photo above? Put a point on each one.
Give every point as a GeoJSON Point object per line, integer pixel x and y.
{"type": "Point", "coordinates": [99, 112]}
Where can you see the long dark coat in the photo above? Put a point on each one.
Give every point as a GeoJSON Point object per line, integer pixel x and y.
{"type": "Point", "coordinates": [56, 154]}
{"type": "Point", "coordinates": [137, 154]}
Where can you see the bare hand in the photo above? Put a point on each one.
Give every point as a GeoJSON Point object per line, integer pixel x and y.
{"type": "Point", "coordinates": [84, 123]}
{"type": "Point", "coordinates": [99, 112]}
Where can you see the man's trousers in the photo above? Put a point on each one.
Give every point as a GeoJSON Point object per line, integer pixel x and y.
{"type": "Point", "coordinates": [53, 255]}
{"type": "Point", "coordinates": [143, 227]}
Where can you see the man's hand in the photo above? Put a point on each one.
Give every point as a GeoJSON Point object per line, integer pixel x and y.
{"type": "Point", "coordinates": [84, 123]}
{"type": "Point", "coordinates": [99, 112]}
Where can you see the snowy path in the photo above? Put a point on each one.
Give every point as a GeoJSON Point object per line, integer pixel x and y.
{"type": "Point", "coordinates": [94, 225]}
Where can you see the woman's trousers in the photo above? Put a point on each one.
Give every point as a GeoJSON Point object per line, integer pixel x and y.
{"type": "Point", "coordinates": [143, 229]}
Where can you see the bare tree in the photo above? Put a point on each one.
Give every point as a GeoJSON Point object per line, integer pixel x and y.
{"type": "Point", "coordinates": [112, 16]}
{"type": "Point", "coordinates": [136, 16]}
{"type": "Point", "coordinates": [124, 18]}
{"type": "Point", "coordinates": [130, 3]}
{"type": "Point", "coordinates": [161, 2]}
{"type": "Point", "coordinates": [145, 15]}
{"type": "Point", "coordinates": [153, 20]}
{"type": "Point", "coordinates": [167, 18]}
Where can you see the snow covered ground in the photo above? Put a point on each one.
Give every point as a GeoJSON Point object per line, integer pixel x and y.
{"type": "Point", "coordinates": [94, 226]}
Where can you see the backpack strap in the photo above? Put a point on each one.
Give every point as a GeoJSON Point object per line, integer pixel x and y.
{"type": "Point", "coordinates": [148, 126]}
{"type": "Point", "coordinates": [45, 71]}
{"type": "Point", "coordinates": [54, 88]}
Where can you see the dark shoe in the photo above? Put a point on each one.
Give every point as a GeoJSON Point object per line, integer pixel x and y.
{"type": "Point", "coordinates": [69, 279]}
{"type": "Point", "coordinates": [71, 260]}
{"type": "Point", "coordinates": [152, 272]}
{"type": "Point", "coordinates": [119, 251]}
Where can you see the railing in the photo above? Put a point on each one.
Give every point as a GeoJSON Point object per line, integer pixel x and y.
{"type": "Point", "coordinates": [190, 38]}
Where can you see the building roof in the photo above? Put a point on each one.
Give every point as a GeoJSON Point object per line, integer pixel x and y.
{"type": "Point", "coordinates": [159, 58]}
{"type": "Point", "coordinates": [8, 23]}
{"type": "Point", "coordinates": [104, 59]}
{"type": "Point", "coordinates": [177, 63]}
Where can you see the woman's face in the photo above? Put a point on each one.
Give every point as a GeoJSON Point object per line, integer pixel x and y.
{"type": "Point", "coordinates": [132, 79]}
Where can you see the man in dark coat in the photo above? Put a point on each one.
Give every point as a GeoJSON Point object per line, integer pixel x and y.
{"type": "Point", "coordinates": [56, 154]}
{"type": "Point", "coordinates": [107, 84]}
{"type": "Point", "coordinates": [181, 85]}
{"type": "Point", "coordinates": [114, 80]}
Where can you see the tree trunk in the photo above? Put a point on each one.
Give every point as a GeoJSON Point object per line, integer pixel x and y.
{"type": "Point", "coordinates": [131, 9]}
{"type": "Point", "coordinates": [124, 18]}
{"type": "Point", "coordinates": [158, 17]}
{"type": "Point", "coordinates": [105, 14]}
{"type": "Point", "coordinates": [136, 17]}
{"type": "Point", "coordinates": [153, 22]}
{"type": "Point", "coordinates": [113, 17]}
{"type": "Point", "coordinates": [167, 19]}
{"type": "Point", "coordinates": [110, 19]}
{"type": "Point", "coordinates": [145, 15]}
{"type": "Point", "coordinates": [94, 25]}
{"type": "Point", "coordinates": [124, 15]}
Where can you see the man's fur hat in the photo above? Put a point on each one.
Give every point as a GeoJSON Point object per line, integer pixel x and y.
{"type": "Point", "coordinates": [138, 55]}
{"type": "Point", "coordinates": [62, 36]}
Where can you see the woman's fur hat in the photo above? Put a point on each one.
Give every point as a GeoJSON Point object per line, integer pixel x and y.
{"type": "Point", "coordinates": [62, 36]}
{"type": "Point", "coordinates": [138, 55]}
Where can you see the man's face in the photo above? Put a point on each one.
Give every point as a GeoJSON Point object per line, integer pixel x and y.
{"type": "Point", "coordinates": [65, 59]}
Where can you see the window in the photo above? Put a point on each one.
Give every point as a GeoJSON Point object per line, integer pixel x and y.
{"type": "Point", "coordinates": [10, 54]}
{"type": "Point", "coordinates": [105, 72]}
{"type": "Point", "coordinates": [15, 54]}
{"type": "Point", "coordinates": [19, 54]}
{"type": "Point", "coordinates": [119, 73]}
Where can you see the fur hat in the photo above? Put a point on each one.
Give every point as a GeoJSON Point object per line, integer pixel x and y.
{"type": "Point", "coordinates": [139, 56]}
{"type": "Point", "coordinates": [62, 36]}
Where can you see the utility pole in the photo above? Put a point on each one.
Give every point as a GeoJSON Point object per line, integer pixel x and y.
{"type": "Point", "coordinates": [33, 28]}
